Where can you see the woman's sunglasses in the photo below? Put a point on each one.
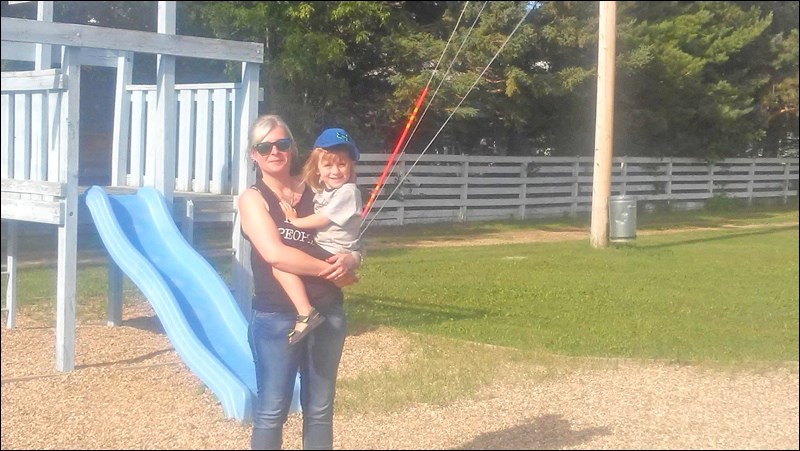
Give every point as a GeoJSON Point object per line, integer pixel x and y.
{"type": "Point", "coordinates": [264, 148]}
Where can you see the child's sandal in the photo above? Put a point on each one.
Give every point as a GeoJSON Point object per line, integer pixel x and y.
{"type": "Point", "coordinates": [312, 321]}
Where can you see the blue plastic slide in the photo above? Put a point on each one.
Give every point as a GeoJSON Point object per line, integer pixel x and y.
{"type": "Point", "coordinates": [193, 303]}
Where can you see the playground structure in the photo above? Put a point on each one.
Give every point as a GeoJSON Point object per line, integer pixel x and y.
{"type": "Point", "coordinates": [40, 140]}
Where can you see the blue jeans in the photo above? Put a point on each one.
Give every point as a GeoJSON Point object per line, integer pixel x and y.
{"type": "Point", "coordinates": [317, 358]}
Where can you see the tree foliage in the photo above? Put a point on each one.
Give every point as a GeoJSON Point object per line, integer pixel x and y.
{"type": "Point", "coordinates": [322, 63]}
{"type": "Point", "coordinates": [701, 79]}
{"type": "Point", "coordinates": [687, 90]}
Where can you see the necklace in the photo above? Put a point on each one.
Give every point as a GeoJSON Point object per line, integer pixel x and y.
{"type": "Point", "coordinates": [291, 199]}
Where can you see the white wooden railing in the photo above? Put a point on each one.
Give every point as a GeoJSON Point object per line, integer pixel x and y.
{"type": "Point", "coordinates": [40, 136]}
{"type": "Point", "coordinates": [207, 141]}
{"type": "Point", "coordinates": [436, 188]}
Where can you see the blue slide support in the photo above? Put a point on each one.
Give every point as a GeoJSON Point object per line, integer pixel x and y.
{"type": "Point", "coordinates": [194, 304]}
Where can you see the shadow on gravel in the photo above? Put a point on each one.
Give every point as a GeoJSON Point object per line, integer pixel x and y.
{"type": "Point", "coordinates": [544, 432]}
{"type": "Point", "coordinates": [148, 323]}
{"type": "Point", "coordinates": [131, 361]}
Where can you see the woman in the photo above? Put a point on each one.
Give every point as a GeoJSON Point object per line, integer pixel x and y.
{"type": "Point", "coordinates": [277, 243]}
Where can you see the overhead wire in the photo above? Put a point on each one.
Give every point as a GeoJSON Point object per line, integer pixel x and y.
{"type": "Point", "coordinates": [403, 178]}
{"type": "Point", "coordinates": [442, 78]}
{"type": "Point", "coordinates": [378, 188]}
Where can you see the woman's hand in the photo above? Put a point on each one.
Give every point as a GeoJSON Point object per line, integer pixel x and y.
{"type": "Point", "coordinates": [348, 259]}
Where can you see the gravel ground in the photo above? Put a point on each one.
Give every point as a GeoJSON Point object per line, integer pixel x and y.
{"type": "Point", "coordinates": [131, 391]}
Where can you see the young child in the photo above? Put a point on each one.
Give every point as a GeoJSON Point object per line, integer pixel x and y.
{"type": "Point", "coordinates": [330, 172]}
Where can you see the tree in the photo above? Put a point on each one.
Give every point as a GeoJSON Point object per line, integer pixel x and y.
{"type": "Point", "coordinates": [696, 79]}
{"type": "Point", "coordinates": [685, 83]}
{"type": "Point", "coordinates": [495, 116]}
{"type": "Point", "coordinates": [313, 50]}
{"type": "Point", "coordinates": [774, 58]}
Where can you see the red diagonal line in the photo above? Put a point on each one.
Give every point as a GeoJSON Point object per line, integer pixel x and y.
{"type": "Point", "coordinates": [397, 146]}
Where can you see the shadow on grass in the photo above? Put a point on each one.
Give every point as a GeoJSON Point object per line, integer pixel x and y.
{"type": "Point", "coordinates": [544, 432]}
{"type": "Point", "coordinates": [714, 218]}
{"type": "Point", "coordinates": [710, 239]}
{"type": "Point", "coordinates": [398, 312]}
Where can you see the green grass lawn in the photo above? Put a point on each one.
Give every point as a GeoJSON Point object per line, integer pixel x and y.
{"type": "Point", "coordinates": [696, 295]}
{"type": "Point", "coordinates": [725, 297]}
{"type": "Point", "coordinates": [728, 295]}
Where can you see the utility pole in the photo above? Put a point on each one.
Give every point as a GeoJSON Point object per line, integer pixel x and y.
{"type": "Point", "coordinates": [604, 124]}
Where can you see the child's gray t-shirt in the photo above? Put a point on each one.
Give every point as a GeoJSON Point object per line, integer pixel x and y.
{"type": "Point", "coordinates": [343, 207]}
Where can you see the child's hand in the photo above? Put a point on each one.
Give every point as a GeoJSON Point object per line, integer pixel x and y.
{"type": "Point", "coordinates": [346, 280]}
{"type": "Point", "coordinates": [288, 210]}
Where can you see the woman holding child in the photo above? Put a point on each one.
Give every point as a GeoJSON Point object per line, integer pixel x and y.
{"type": "Point", "coordinates": [281, 247]}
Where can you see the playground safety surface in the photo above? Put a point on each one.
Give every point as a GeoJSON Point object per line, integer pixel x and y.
{"type": "Point", "coordinates": [131, 391]}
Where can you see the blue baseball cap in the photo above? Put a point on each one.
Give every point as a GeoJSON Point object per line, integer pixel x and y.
{"type": "Point", "coordinates": [335, 137]}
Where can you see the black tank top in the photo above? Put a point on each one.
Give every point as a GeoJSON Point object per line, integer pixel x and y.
{"type": "Point", "coordinates": [268, 295]}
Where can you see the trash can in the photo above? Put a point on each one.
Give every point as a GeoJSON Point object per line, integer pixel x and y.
{"type": "Point", "coordinates": [622, 218]}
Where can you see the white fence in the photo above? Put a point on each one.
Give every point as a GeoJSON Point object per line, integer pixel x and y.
{"type": "Point", "coordinates": [438, 188]}
{"type": "Point", "coordinates": [435, 188]}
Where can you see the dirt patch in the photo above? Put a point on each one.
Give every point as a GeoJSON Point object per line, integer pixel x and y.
{"type": "Point", "coordinates": [533, 236]}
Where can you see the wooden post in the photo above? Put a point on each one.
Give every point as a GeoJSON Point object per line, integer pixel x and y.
{"type": "Point", "coordinates": [165, 88]}
{"type": "Point", "coordinates": [604, 124]}
{"type": "Point", "coordinates": [44, 52]}
{"type": "Point", "coordinates": [114, 308]}
{"type": "Point", "coordinates": [120, 149]}
{"type": "Point", "coordinates": [11, 269]}
{"type": "Point", "coordinates": [247, 111]}
{"type": "Point", "coordinates": [576, 187]}
{"type": "Point", "coordinates": [462, 213]}
{"type": "Point", "coordinates": [66, 288]}
{"type": "Point", "coordinates": [523, 189]}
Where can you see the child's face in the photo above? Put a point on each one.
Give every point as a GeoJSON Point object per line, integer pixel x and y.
{"type": "Point", "coordinates": [335, 168]}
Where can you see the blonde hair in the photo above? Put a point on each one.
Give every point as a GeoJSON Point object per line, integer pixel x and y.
{"type": "Point", "coordinates": [311, 167]}
{"type": "Point", "coordinates": [262, 126]}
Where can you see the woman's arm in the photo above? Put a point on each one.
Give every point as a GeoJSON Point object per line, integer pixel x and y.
{"type": "Point", "coordinates": [258, 225]}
